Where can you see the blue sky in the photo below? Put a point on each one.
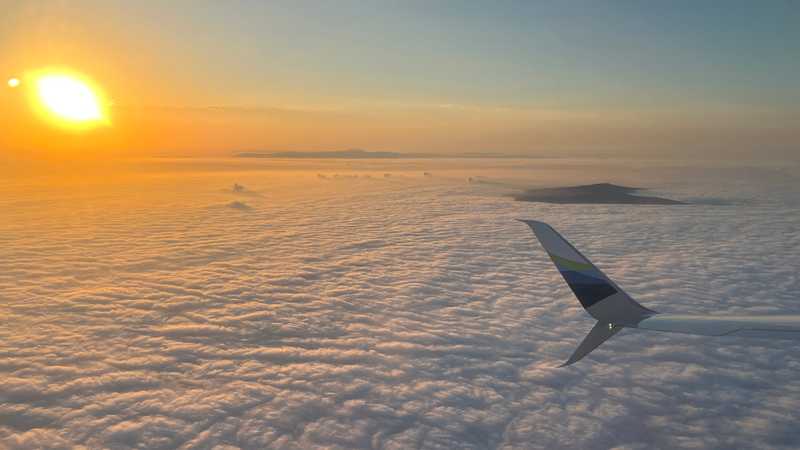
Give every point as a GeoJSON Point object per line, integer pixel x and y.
{"type": "Point", "coordinates": [519, 52]}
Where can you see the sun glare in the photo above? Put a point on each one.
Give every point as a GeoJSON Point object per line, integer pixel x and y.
{"type": "Point", "coordinates": [69, 99]}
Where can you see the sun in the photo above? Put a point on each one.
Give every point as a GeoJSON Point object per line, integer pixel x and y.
{"type": "Point", "coordinates": [69, 99]}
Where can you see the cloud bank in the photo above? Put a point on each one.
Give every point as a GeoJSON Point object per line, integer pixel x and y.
{"type": "Point", "coordinates": [383, 315]}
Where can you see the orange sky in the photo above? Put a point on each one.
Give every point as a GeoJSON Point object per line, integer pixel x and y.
{"type": "Point", "coordinates": [198, 79]}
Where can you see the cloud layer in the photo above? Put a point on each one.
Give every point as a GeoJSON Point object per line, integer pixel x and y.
{"type": "Point", "coordinates": [408, 312]}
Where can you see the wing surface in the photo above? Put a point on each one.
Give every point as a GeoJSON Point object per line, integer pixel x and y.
{"type": "Point", "coordinates": [770, 327]}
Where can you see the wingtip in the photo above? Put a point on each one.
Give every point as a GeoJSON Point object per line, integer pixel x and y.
{"type": "Point", "coordinates": [572, 360]}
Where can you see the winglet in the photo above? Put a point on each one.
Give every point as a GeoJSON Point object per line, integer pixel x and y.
{"type": "Point", "coordinates": [598, 294]}
{"type": "Point", "coordinates": [600, 333]}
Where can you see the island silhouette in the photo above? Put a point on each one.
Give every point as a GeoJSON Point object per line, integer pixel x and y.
{"type": "Point", "coordinates": [600, 193]}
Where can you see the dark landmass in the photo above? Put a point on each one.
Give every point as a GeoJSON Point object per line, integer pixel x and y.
{"type": "Point", "coordinates": [338, 154]}
{"type": "Point", "coordinates": [602, 193]}
{"type": "Point", "coordinates": [366, 154]}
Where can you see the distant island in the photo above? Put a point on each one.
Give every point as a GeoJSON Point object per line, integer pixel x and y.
{"type": "Point", "coordinates": [601, 193]}
{"type": "Point", "coordinates": [367, 154]}
{"type": "Point", "coordinates": [335, 154]}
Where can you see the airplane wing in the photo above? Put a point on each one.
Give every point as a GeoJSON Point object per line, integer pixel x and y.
{"type": "Point", "coordinates": [614, 309]}
{"type": "Point", "coordinates": [770, 327]}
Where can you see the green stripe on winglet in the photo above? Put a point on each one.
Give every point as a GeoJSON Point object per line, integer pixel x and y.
{"type": "Point", "coordinates": [568, 264]}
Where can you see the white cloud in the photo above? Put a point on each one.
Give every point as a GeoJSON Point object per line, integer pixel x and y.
{"type": "Point", "coordinates": [388, 315]}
